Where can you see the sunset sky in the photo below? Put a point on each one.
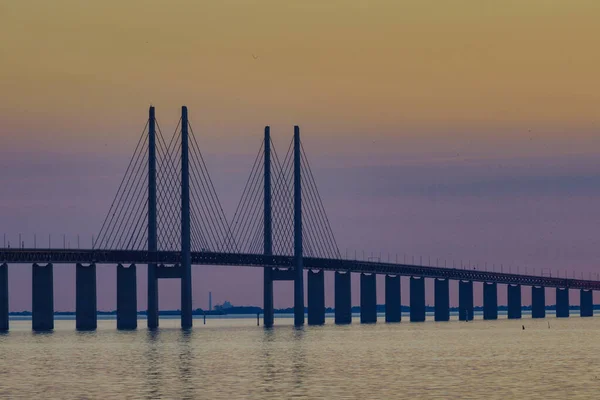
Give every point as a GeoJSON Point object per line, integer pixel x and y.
{"type": "Point", "coordinates": [459, 130]}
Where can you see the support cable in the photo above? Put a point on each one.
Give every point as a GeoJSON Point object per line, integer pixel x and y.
{"type": "Point", "coordinates": [128, 199]}
{"type": "Point", "coordinates": [282, 208]}
{"type": "Point", "coordinates": [117, 211]}
{"type": "Point", "coordinates": [322, 207]}
{"type": "Point", "coordinates": [223, 225]}
{"type": "Point", "coordinates": [313, 217]}
{"type": "Point", "coordinates": [120, 185]}
{"type": "Point", "coordinates": [239, 213]}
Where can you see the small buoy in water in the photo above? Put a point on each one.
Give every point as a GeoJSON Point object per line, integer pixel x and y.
{"type": "Point", "coordinates": [523, 327]}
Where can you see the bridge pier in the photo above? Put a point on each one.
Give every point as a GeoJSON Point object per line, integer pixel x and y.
{"type": "Point", "coordinates": [316, 297]}
{"type": "Point", "coordinates": [465, 300]}
{"type": "Point", "coordinates": [442, 299]}
{"type": "Point", "coordinates": [268, 309]}
{"type": "Point", "coordinates": [417, 299]}
{"type": "Point", "coordinates": [343, 298]}
{"type": "Point", "coordinates": [393, 308]}
{"type": "Point", "coordinates": [126, 297]}
{"type": "Point", "coordinates": [3, 297]}
{"type": "Point", "coordinates": [152, 309]}
{"type": "Point", "coordinates": [42, 307]}
{"type": "Point", "coordinates": [514, 301]}
{"type": "Point", "coordinates": [586, 303]}
{"type": "Point", "coordinates": [368, 299]}
{"type": "Point", "coordinates": [490, 300]}
{"type": "Point", "coordinates": [538, 302]}
{"type": "Point", "coordinates": [85, 297]}
{"type": "Point", "coordinates": [562, 302]}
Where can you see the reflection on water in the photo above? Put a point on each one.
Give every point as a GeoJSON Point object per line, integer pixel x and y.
{"type": "Point", "coordinates": [231, 359]}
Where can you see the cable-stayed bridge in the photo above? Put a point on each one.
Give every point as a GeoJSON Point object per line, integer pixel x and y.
{"type": "Point", "coordinates": [167, 214]}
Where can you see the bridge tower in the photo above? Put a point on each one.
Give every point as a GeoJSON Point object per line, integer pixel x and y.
{"type": "Point", "coordinates": [184, 272]}
{"type": "Point", "coordinates": [186, 247]}
{"type": "Point", "coordinates": [152, 311]}
{"type": "Point", "coordinates": [298, 263]}
{"type": "Point", "coordinates": [268, 313]}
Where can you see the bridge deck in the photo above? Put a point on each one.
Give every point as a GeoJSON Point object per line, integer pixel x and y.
{"type": "Point", "coordinates": [112, 257]}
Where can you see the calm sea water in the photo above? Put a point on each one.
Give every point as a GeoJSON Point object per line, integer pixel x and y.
{"type": "Point", "coordinates": [235, 359]}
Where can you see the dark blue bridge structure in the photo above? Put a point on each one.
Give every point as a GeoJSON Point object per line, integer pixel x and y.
{"type": "Point", "coordinates": [166, 214]}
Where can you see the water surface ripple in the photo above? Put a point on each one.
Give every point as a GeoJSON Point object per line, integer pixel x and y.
{"type": "Point", "coordinates": [234, 359]}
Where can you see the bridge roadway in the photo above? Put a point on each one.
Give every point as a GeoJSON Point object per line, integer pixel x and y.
{"type": "Point", "coordinates": [163, 258]}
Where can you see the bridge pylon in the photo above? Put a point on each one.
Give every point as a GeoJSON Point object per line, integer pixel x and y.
{"type": "Point", "coordinates": [298, 262]}
{"type": "Point", "coordinates": [152, 306]}
{"type": "Point", "coordinates": [186, 247]}
{"type": "Point", "coordinates": [268, 311]}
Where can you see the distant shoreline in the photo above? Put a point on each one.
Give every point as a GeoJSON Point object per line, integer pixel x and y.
{"type": "Point", "coordinates": [253, 310]}
{"type": "Point", "coordinates": [113, 317]}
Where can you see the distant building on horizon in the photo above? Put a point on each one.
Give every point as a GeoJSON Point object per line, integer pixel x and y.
{"type": "Point", "coordinates": [226, 304]}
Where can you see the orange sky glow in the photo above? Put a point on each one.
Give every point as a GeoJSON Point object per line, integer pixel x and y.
{"type": "Point", "coordinates": [459, 130]}
{"type": "Point", "coordinates": [391, 69]}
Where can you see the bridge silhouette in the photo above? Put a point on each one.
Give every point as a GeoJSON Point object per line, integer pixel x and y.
{"type": "Point", "coordinates": [167, 214]}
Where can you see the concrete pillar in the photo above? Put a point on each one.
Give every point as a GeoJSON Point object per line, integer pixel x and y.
{"type": "Point", "coordinates": [85, 297]}
{"type": "Point", "coordinates": [393, 308]}
{"type": "Point", "coordinates": [42, 318]}
{"type": "Point", "coordinates": [538, 302]}
{"type": "Point", "coordinates": [268, 309]}
{"type": "Point", "coordinates": [186, 246]}
{"type": "Point", "coordinates": [343, 298]}
{"type": "Point", "coordinates": [442, 300]}
{"type": "Point", "coordinates": [514, 301]}
{"type": "Point", "coordinates": [465, 300]}
{"type": "Point", "coordinates": [298, 249]}
{"type": "Point", "coordinates": [152, 310]}
{"type": "Point", "coordinates": [562, 303]}
{"type": "Point", "coordinates": [316, 297]}
{"type": "Point", "coordinates": [126, 297]}
{"type": "Point", "coordinates": [3, 297]}
{"type": "Point", "coordinates": [417, 299]}
{"type": "Point", "coordinates": [368, 299]}
{"type": "Point", "coordinates": [586, 303]}
{"type": "Point", "coordinates": [490, 300]}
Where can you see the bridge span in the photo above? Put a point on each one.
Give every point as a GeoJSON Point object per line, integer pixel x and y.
{"type": "Point", "coordinates": [168, 266]}
{"type": "Point", "coordinates": [167, 215]}
{"type": "Point", "coordinates": [172, 259]}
